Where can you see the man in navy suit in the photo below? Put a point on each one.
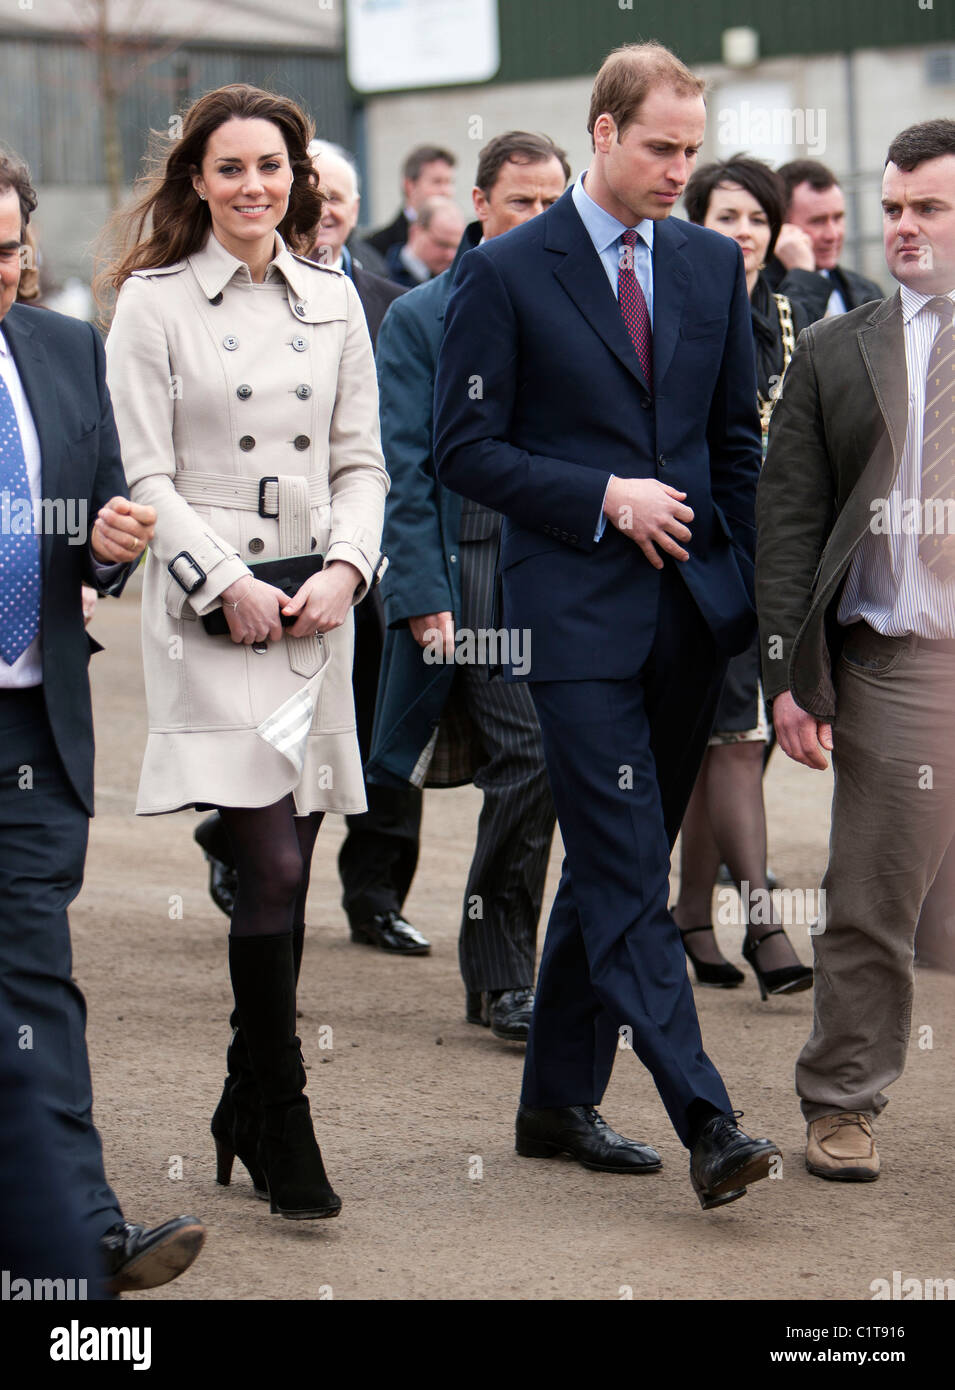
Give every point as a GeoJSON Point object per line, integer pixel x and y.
{"type": "Point", "coordinates": [65, 520]}
{"type": "Point", "coordinates": [597, 366]}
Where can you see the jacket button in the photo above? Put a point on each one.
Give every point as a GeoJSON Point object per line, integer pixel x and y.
{"type": "Point", "coordinates": [661, 461]}
{"type": "Point", "coordinates": [304, 391]}
{"type": "Point", "coordinates": [313, 544]}
{"type": "Point", "coordinates": [216, 298]}
{"type": "Point", "coordinates": [301, 441]}
{"type": "Point", "coordinates": [645, 402]}
{"type": "Point", "coordinates": [256, 546]}
{"type": "Point", "coordinates": [299, 344]}
{"type": "Point", "coordinates": [246, 443]}
{"type": "Point", "coordinates": [243, 392]}
{"type": "Point", "coordinates": [573, 540]}
{"type": "Point", "coordinates": [453, 559]}
{"type": "Point", "coordinates": [230, 343]}
{"type": "Point", "coordinates": [300, 310]}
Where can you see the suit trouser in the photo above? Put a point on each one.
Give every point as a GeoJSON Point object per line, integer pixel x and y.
{"type": "Point", "coordinates": [622, 757]}
{"type": "Point", "coordinates": [497, 947]}
{"type": "Point", "coordinates": [379, 855]}
{"type": "Point", "coordinates": [43, 837]}
{"type": "Point", "coordinates": [893, 819]}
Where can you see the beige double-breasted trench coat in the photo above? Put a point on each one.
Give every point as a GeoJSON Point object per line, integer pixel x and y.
{"type": "Point", "coordinates": [217, 383]}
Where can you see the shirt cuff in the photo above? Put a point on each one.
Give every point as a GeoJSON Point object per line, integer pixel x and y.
{"type": "Point", "coordinates": [602, 519]}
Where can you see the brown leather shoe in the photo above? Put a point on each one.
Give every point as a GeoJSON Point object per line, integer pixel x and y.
{"type": "Point", "coordinates": [841, 1147]}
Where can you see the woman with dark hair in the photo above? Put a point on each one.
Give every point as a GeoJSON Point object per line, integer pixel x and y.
{"type": "Point", "coordinates": [245, 394]}
{"type": "Point", "coordinates": [726, 818]}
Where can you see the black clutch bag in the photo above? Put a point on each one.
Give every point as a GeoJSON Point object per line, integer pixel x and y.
{"type": "Point", "coordinates": [288, 575]}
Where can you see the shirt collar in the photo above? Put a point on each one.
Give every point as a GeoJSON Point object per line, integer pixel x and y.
{"type": "Point", "coordinates": [603, 228]}
{"type": "Point", "coordinates": [913, 302]}
{"type": "Point", "coordinates": [4, 346]}
{"type": "Point", "coordinates": [215, 267]}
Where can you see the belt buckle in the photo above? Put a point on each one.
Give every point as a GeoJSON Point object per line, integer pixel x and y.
{"type": "Point", "coordinates": [263, 483]}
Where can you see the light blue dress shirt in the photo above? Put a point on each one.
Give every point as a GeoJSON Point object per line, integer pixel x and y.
{"type": "Point", "coordinates": [605, 231]}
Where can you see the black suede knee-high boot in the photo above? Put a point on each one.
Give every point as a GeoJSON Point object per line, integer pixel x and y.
{"type": "Point", "coordinates": [237, 1119]}
{"type": "Point", "coordinates": [263, 979]}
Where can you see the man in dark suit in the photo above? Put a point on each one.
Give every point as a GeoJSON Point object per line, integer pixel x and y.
{"type": "Point", "coordinates": [816, 221]}
{"type": "Point", "coordinates": [856, 590]}
{"type": "Point", "coordinates": [428, 172]}
{"type": "Point", "coordinates": [443, 562]}
{"type": "Point", "coordinates": [379, 855]}
{"type": "Point", "coordinates": [565, 407]}
{"type": "Point", "coordinates": [59, 463]}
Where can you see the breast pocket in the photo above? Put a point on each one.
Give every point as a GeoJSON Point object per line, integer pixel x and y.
{"type": "Point", "coordinates": [703, 328]}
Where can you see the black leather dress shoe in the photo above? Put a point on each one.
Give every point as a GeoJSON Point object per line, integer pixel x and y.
{"type": "Point", "coordinates": [223, 879]}
{"type": "Point", "coordinates": [139, 1259]}
{"type": "Point", "coordinates": [580, 1131]}
{"type": "Point", "coordinates": [510, 1013]}
{"type": "Point", "coordinates": [724, 1159]}
{"type": "Point", "coordinates": [390, 932]}
{"type": "Point", "coordinates": [223, 883]}
{"type": "Point", "coordinates": [507, 1012]}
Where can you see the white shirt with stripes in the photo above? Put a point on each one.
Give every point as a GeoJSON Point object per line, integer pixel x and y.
{"type": "Point", "coordinates": [887, 586]}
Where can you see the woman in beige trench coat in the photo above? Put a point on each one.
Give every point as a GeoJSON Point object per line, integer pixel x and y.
{"type": "Point", "coordinates": [245, 395]}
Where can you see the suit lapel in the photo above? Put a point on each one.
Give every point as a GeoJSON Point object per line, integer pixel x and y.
{"type": "Point", "coordinates": [582, 276]}
{"type": "Point", "coordinates": [35, 373]}
{"type": "Point", "coordinates": [671, 283]}
{"type": "Point", "coordinates": [882, 345]}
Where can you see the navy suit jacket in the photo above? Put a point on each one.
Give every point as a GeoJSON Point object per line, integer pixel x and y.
{"type": "Point", "coordinates": [62, 366]}
{"type": "Point", "coordinates": [540, 397]}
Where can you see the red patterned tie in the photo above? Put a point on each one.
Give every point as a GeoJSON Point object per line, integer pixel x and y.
{"type": "Point", "coordinates": [633, 306]}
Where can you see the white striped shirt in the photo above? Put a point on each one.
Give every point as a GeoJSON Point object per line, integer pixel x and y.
{"type": "Point", "coordinates": [887, 586]}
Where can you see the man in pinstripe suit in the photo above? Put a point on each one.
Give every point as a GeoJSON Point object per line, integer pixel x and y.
{"type": "Point", "coordinates": [857, 615]}
{"type": "Point", "coordinates": [447, 723]}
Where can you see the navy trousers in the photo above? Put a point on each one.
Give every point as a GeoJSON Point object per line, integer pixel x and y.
{"type": "Point", "coordinates": [622, 757]}
{"type": "Point", "coordinates": [43, 837]}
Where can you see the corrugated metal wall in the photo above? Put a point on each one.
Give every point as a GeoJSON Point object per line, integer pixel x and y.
{"type": "Point", "coordinates": [570, 38]}
{"type": "Point", "coordinates": [50, 108]}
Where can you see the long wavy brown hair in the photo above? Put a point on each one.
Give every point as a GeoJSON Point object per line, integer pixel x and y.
{"type": "Point", "coordinates": [167, 221]}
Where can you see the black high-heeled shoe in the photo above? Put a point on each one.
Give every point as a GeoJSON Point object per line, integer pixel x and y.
{"type": "Point", "coordinates": [237, 1120]}
{"type": "Point", "coordinates": [788, 979]}
{"type": "Point", "coordinates": [721, 976]}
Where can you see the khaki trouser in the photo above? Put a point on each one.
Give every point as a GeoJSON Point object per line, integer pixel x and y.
{"type": "Point", "coordinates": [893, 818]}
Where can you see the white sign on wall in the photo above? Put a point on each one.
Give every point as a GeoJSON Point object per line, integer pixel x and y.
{"type": "Point", "coordinates": [394, 44]}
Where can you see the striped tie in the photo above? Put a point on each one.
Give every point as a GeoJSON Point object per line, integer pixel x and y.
{"type": "Point", "coordinates": [19, 546]}
{"type": "Point", "coordinates": [633, 306]}
{"type": "Point", "coordinates": [938, 443]}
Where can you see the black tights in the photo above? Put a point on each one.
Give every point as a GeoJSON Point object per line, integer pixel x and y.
{"type": "Point", "coordinates": [272, 851]}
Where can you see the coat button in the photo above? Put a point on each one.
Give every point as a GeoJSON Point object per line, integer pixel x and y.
{"type": "Point", "coordinates": [301, 441]}
{"type": "Point", "coordinates": [246, 443]}
{"type": "Point", "coordinates": [299, 344]}
{"type": "Point", "coordinates": [453, 559]}
{"type": "Point", "coordinates": [645, 402]}
{"type": "Point", "coordinates": [230, 343]}
{"type": "Point", "coordinates": [256, 546]}
{"type": "Point", "coordinates": [243, 392]}
{"type": "Point", "coordinates": [300, 310]}
{"type": "Point", "coordinates": [304, 391]}
{"type": "Point", "coordinates": [216, 298]}
{"type": "Point", "coordinates": [661, 461]}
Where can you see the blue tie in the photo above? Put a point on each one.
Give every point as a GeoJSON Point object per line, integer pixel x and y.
{"type": "Point", "coordinates": [19, 554]}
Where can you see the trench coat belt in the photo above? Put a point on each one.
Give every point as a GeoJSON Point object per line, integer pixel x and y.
{"type": "Point", "coordinates": [247, 494]}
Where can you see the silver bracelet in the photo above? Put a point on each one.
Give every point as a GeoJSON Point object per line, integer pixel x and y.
{"type": "Point", "coordinates": [235, 605]}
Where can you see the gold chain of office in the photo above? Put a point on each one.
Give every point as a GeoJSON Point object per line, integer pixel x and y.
{"type": "Point", "coordinates": [785, 311]}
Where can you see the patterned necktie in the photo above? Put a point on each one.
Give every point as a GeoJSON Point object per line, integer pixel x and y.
{"type": "Point", "coordinates": [19, 553]}
{"type": "Point", "coordinates": [938, 441]}
{"type": "Point", "coordinates": [633, 306]}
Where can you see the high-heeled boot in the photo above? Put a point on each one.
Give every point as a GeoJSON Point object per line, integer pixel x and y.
{"type": "Point", "coordinates": [237, 1119]}
{"type": "Point", "coordinates": [263, 979]}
